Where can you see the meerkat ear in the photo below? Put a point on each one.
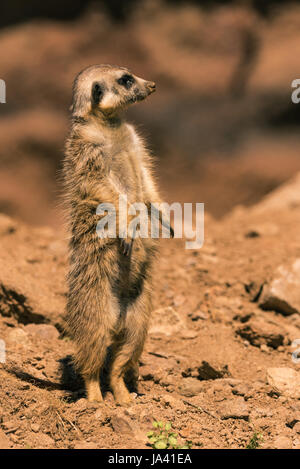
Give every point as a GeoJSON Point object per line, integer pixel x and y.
{"type": "Point", "coordinates": [97, 93]}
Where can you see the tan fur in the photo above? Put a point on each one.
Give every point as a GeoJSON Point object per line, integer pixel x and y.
{"type": "Point", "coordinates": [109, 300]}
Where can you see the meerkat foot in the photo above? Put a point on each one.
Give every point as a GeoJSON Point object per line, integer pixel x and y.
{"type": "Point", "coordinates": [93, 390]}
{"type": "Point", "coordinates": [121, 394]}
{"type": "Point", "coordinates": [124, 400]}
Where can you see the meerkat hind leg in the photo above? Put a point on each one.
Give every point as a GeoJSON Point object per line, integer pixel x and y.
{"type": "Point", "coordinates": [119, 389]}
{"type": "Point", "coordinates": [93, 390]}
{"type": "Point", "coordinates": [127, 355]}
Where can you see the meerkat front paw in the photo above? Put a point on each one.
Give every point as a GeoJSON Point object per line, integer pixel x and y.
{"type": "Point", "coordinates": [126, 246]}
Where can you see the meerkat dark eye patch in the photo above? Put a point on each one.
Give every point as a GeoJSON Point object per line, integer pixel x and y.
{"type": "Point", "coordinates": [97, 92]}
{"type": "Point", "coordinates": [126, 81]}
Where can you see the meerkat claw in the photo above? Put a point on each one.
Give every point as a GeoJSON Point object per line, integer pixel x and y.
{"type": "Point", "coordinates": [126, 247]}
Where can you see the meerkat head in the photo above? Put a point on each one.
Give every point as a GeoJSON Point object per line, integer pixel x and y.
{"type": "Point", "coordinates": [107, 89]}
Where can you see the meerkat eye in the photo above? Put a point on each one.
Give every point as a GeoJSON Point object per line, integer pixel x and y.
{"type": "Point", "coordinates": [126, 80]}
{"type": "Point", "coordinates": [97, 93]}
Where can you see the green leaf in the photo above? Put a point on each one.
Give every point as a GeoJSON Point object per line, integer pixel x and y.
{"type": "Point", "coordinates": [150, 434]}
{"type": "Point", "coordinates": [172, 441]}
{"type": "Point", "coordinates": [155, 424]}
{"type": "Point", "coordinates": [160, 424]}
{"type": "Point", "coordinates": [160, 445]}
{"type": "Point", "coordinates": [168, 426]}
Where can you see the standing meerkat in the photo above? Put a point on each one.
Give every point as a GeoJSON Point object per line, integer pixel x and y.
{"type": "Point", "coordinates": [110, 279]}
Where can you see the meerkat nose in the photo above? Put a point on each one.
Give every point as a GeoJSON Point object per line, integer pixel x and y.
{"type": "Point", "coordinates": [151, 86]}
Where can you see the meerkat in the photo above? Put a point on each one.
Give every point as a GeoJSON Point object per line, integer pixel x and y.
{"type": "Point", "coordinates": [110, 279]}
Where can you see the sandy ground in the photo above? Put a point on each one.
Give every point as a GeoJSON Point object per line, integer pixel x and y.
{"type": "Point", "coordinates": [207, 360]}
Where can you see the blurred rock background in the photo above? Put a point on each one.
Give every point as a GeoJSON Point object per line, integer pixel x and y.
{"type": "Point", "coordinates": [221, 125]}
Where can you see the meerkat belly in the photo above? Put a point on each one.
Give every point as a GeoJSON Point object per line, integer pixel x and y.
{"type": "Point", "coordinates": [126, 178]}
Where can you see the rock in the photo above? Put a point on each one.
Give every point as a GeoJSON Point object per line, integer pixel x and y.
{"type": "Point", "coordinates": [80, 405]}
{"type": "Point", "coordinates": [168, 380]}
{"type": "Point", "coordinates": [173, 403]}
{"type": "Point", "coordinates": [178, 300]}
{"type": "Point", "coordinates": [166, 321]}
{"type": "Point", "coordinates": [243, 389]}
{"type": "Point", "coordinates": [35, 427]}
{"type": "Point", "coordinates": [44, 331]}
{"type": "Point", "coordinates": [282, 442]}
{"type": "Point", "coordinates": [188, 334]}
{"type": "Point", "coordinates": [198, 315]}
{"type": "Point", "coordinates": [7, 225]}
{"type": "Point", "coordinates": [208, 371]}
{"type": "Point", "coordinates": [190, 387]}
{"type": "Point", "coordinates": [260, 332]}
{"type": "Point", "coordinates": [283, 293]}
{"type": "Point", "coordinates": [4, 441]}
{"type": "Point", "coordinates": [296, 427]}
{"type": "Point", "coordinates": [121, 423]}
{"type": "Point", "coordinates": [285, 381]}
{"type": "Point", "coordinates": [262, 229]}
{"type": "Point", "coordinates": [292, 418]}
{"type": "Point", "coordinates": [151, 373]}
{"type": "Point", "coordinates": [18, 336]}
{"type": "Point", "coordinates": [234, 409]}
{"type": "Point", "coordinates": [43, 441]}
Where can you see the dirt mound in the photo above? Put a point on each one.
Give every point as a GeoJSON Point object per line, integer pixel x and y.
{"type": "Point", "coordinates": [225, 374]}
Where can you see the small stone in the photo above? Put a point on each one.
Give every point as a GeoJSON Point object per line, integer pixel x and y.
{"type": "Point", "coordinates": [166, 321]}
{"type": "Point", "coordinates": [282, 442]}
{"type": "Point", "coordinates": [150, 373]}
{"type": "Point", "coordinates": [43, 440]}
{"type": "Point", "coordinates": [234, 409]}
{"type": "Point", "coordinates": [14, 438]}
{"type": "Point", "coordinates": [208, 371]}
{"type": "Point", "coordinates": [35, 427]}
{"type": "Point", "coordinates": [190, 387]}
{"type": "Point", "coordinates": [7, 225]}
{"type": "Point", "coordinates": [187, 334]}
{"type": "Point", "coordinates": [80, 405]}
{"type": "Point", "coordinates": [285, 381]}
{"type": "Point", "coordinates": [198, 315]}
{"type": "Point", "coordinates": [44, 331]}
{"type": "Point", "coordinates": [296, 428]}
{"type": "Point", "coordinates": [264, 348]}
{"type": "Point", "coordinates": [178, 300]}
{"type": "Point", "coordinates": [121, 423]}
{"type": "Point", "coordinates": [173, 403]}
{"type": "Point", "coordinates": [4, 441]}
{"type": "Point", "coordinates": [283, 293]}
{"type": "Point", "coordinates": [243, 389]}
{"type": "Point", "coordinates": [18, 336]}
{"type": "Point", "coordinates": [260, 332]}
{"type": "Point", "coordinates": [296, 443]}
